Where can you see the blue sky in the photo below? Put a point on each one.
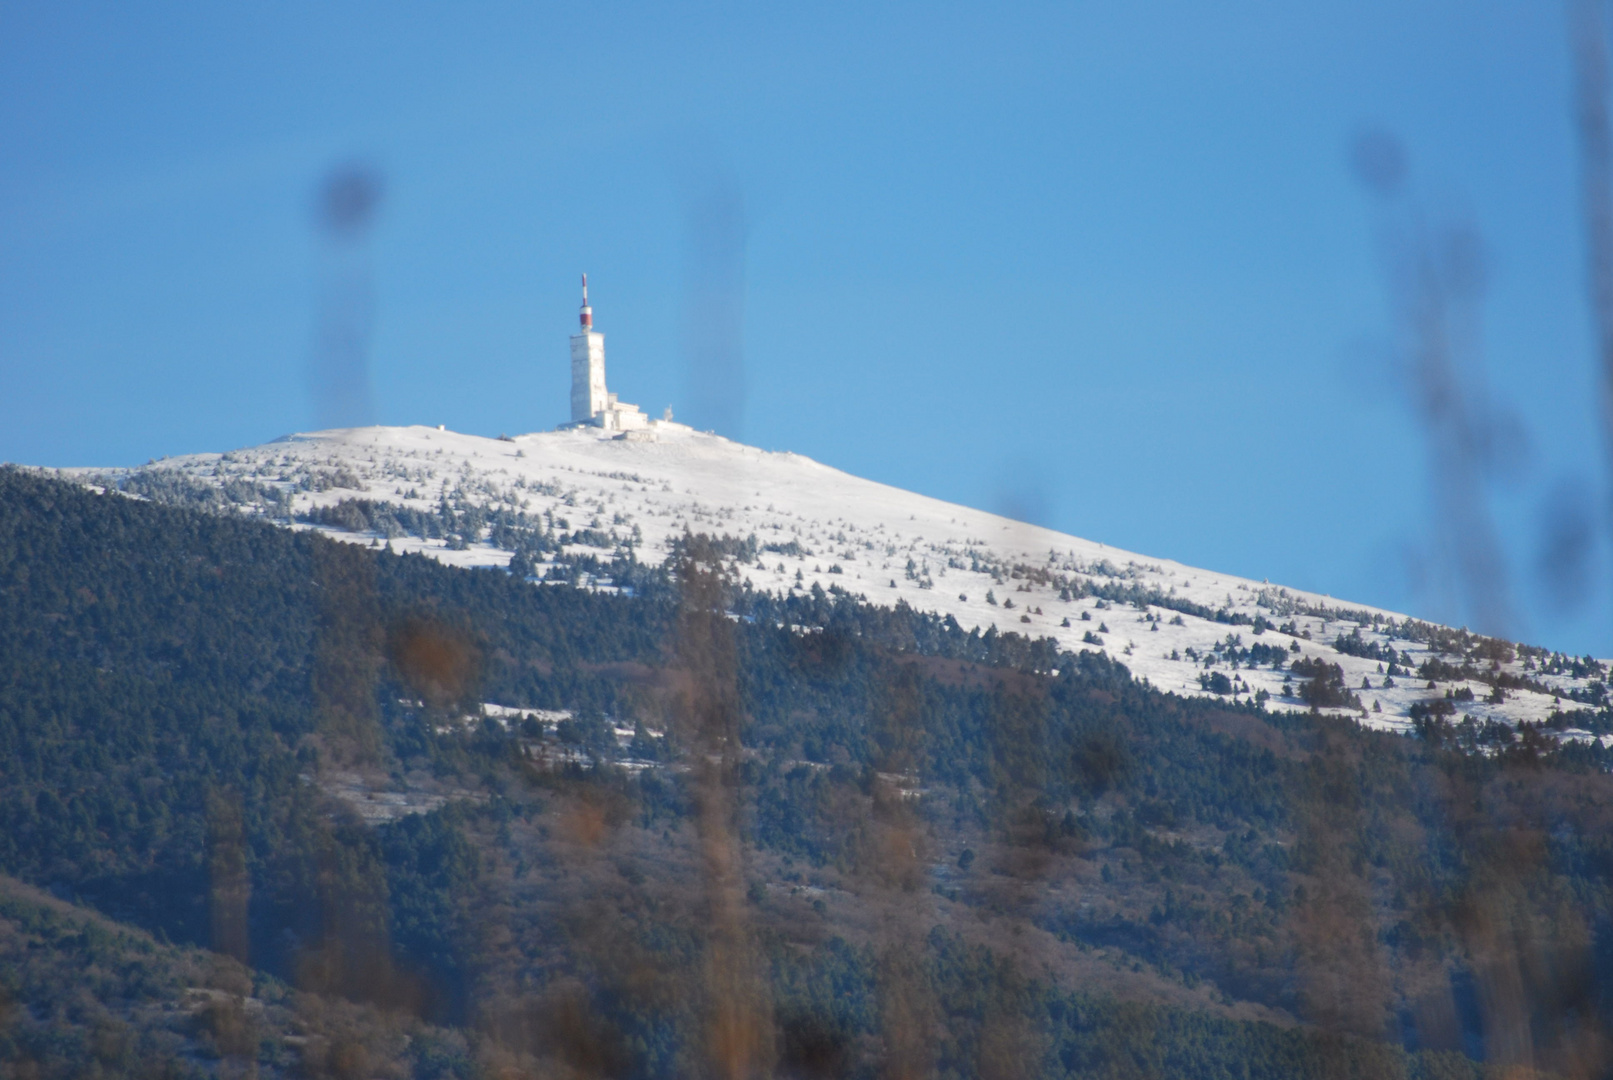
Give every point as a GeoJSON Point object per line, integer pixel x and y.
{"type": "Point", "coordinates": [1103, 265]}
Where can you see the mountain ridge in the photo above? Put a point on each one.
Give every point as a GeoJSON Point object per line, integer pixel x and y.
{"type": "Point", "coordinates": [566, 504]}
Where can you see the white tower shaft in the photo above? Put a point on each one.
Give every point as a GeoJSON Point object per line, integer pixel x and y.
{"type": "Point", "coordinates": [588, 398]}
{"type": "Point", "coordinates": [587, 375]}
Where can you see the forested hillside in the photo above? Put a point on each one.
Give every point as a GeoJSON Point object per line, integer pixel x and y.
{"type": "Point", "coordinates": [717, 833]}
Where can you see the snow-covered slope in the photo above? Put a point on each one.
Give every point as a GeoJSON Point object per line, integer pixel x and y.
{"type": "Point", "coordinates": [555, 495]}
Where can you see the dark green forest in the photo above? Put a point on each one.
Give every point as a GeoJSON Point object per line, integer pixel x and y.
{"type": "Point", "coordinates": [794, 837]}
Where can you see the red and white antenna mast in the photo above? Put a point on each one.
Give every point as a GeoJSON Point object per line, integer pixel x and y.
{"type": "Point", "coordinates": [586, 316]}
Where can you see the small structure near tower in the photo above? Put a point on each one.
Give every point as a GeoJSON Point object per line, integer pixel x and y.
{"type": "Point", "coordinates": [591, 403]}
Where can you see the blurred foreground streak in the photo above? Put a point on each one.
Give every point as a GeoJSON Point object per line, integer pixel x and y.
{"type": "Point", "coordinates": [1588, 32]}
{"type": "Point", "coordinates": [339, 369]}
{"type": "Point", "coordinates": [1436, 274]}
{"type": "Point", "coordinates": [715, 233]}
{"type": "Point", "coordinates": [709, 713]}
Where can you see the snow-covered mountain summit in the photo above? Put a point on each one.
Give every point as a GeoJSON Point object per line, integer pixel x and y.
{"type": "Point", "coordinates": [542, 501]}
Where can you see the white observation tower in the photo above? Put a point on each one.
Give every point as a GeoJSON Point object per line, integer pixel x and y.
{"type": "Point", "coordinates": [591, 403]}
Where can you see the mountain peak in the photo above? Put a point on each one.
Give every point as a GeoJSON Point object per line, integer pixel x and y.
{"type": "Point", "coordinates": [541, 501]}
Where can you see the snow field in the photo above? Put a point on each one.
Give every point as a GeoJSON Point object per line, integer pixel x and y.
{"type": "Point", "coordinates": [867, 538]}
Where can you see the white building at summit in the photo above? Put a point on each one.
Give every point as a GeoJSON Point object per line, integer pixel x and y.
{"type": "Point", "coordinates": [591, 404]}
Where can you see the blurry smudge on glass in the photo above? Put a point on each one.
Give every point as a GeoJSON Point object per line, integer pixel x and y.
{"type": "Point", "coordinates": [345, 205]}
{"type": "Point", "coordinates": [715, 232]}
{"type": "Point", "coordinates": [1566, 552]}
{"type": "Point", "coordinates": [1435, 275]}
{"type": "Point", "coordinates": [738, 1024]}
{"type": "Point", "coordinates": [348, 657]}
{"type": "Point", "coordinates": [1020, 491]}
{"type": "Point", "coordinates": [1588, 40]}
